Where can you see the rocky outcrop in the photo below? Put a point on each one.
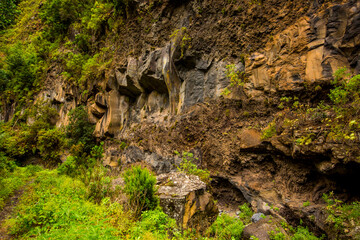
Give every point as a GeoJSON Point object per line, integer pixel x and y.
{"type": "Point", "coordinates": [308, 52]}
{"type": "Point", "coordinates": [184, 198]}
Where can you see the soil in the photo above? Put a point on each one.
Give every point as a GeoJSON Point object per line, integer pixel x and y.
{"type": "Point", "coordinates": [7, 211]}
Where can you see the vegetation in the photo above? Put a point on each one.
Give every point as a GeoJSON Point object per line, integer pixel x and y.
{"type": "Point", "coordinates": [140, 189]}
{"type": "Point", "coordinates": [237, 78]}
{"type": "Point", "coordinates": [341, 215]}
{"type": "Point", "coordinates": [226, 227]}
{"type": "Point", "coordinates": [187, 166]}
{"type": "Point", "coordinates": [8, 12]}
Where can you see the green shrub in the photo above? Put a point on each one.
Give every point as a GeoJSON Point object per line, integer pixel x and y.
{"type": "Point", "coordinates": [236, 78]}
{"type": "Point", "coordinates": [226, 227]}
{"type": "Point", "coordinates": [341, 215]}
{"type": "Point", "coordinates": [19, 73]}
{"type": "Point", "coordinates": [59, 14]}
{"type": "Point", "coordinates": [269, 131]}
{"type": "Point", "coordinates": [154, 224]}
{"type": "Point", "coordinates": [187, 166]}
{"type": "Point", "coordinates": [245, 213]}
{"type": "Point", "coordinates": [140, 189]}
{"type": "Point", "coordinates": [56, 207]}
{"type": "Point", "coordinates": [8, 12]}
{"type": "Point", "coordinates": [80, 129]}
{"type": "Point", "coordinates": [303, 233]}
{"type": "Point", "coordinates": [50, 143]}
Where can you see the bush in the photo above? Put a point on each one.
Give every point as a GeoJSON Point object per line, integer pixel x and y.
{"type": "Point", "coordinates": [56, 207]}
{"type": "Point", "coordinates": [19, 72]}
{"type": "Point", "coordinates": [8, 12]}
{"type": "Point", "coordinates": [140, 189]}
{"type": "Point", "coordinates": [187, 166]}
{"type": "Point", "coordinates": [80, 129]}
{"type": "Point", "coordinates": [59, 14]}
{"type": "Point", "coordinates": [245, 213]}
{"type": "Point", "coordinates": [226, 227]}
{"type": "Point", "coordinates": [50, 143]}
{"type": "Point", "coordinates": [341, 215]}
{"type": "Point", "coordinates": [154, 224]}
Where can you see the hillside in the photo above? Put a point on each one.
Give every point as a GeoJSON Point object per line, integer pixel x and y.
{"type": "Point", "coordinates": [258, 98]}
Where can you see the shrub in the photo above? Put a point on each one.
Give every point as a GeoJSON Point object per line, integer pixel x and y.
{"type": "Point", "coordinates": [226, 227]}
{"type": "Point", "coordinates": [140, 189]}
{"type": "Point", "coordinates": [19, 72]}
{"type": "Point", "coordinates": [154, 224]}
{"type": "Point", "coordinates": [187, 166]}
{"type": "Point", "coordinates": [50, 143]}
{"type": "Point", "coordinates": [269, 131]}
{"type": "Point", "coordinates": [8, 12]}
{"type": "Point", "coordinates": [303, 233]}
{"type": "Point", "coordinates": [80, 129]}
{"type": "Point", "coordinates": [59, 14]}
{"type": "Point", "coordinates": [236, 78]}
{"type": "Point", "coordinates": [245, 213]}
{"type": "Point", "coordinates": [341, 215]}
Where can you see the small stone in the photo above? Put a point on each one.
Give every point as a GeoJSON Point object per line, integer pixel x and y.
{"type": "Point", "coordinates": [256, 217]}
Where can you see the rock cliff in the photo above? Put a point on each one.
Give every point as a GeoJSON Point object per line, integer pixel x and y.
{"type": "Point", "coordinates": [164, 91]}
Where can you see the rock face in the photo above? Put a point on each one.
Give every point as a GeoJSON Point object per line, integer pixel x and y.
{"type": "Point", "coordinates": [262, 228]}
{"type": "Point", "coordinates": [185, 199]}
{"type": "Point", "coordinates": [168, 97]}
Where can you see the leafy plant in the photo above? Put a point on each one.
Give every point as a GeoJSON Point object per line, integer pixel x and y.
{"type": "Point", "coordinates": [226, 227]}
{"type": "Point", "coordinates": [154, 224]}
{"type": "Point", "coordinates": [236, 78]}
{"type": "Point", "coordinates": [50, 143]}
{"type": "Point", "coordinates": [245, 213]}
{"type": "Point", "coordinates": [269, 131]}
{"type": "Point", "coordinates": [80, 129]}
{"type": "Point", "coordinates": [341, 215]}
{"type": "Point", "coordinates": [8, 12]}
{"type": "Point", "coordinates": [189, 167]}
{"type": "Point", "coordinates": [140, 189]}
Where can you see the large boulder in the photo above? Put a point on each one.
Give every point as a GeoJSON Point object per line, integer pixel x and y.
{"type": "Point", "coordinates": [184, 198]}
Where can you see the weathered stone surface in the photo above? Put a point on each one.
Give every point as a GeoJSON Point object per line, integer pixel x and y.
{"type": "Point", "coordinates": [261, 229]}
{"type": "Point", "coordinates": [257, 216]}
{"type": "Point", "coordinates": [151, 77]}
{"type": "Point", "coordinates": [185, 199]}
{"type": "Point", "coordinates": [116, 115]}
{"type": "Point", "coordinates": [127, 79]}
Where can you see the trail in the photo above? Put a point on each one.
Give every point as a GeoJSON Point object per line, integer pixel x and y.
{"type": "Point", "coordinates": [6, 212]}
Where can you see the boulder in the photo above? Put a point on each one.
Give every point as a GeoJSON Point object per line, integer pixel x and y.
{"type": "Point", "coordinates": [184, 198]}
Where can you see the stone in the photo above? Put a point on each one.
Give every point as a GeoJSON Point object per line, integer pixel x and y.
{"type": "Point", "coordinates": [261, 229]}
{"type": "Point", "coordinates": [184, 198]}
{"type": "Point", "coordinates": [151, 78]}
{"type": "Point", "coordinates": [256, 217]}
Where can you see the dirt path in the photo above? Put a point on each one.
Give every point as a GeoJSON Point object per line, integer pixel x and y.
{"type": "Point", "coordinates": [7, 211]}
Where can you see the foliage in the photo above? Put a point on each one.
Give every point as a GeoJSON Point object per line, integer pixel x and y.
{"type": "Point", "coordinates": [14, 179]}
{"type": "Point", "coordinates": [245, 213]}
{"type": "Point", "coordinates": [277, 235]}
{"type": "Point", "coordinates": [8, 12]}
{"type": "Point", "coordinates": [140, 189]}
{"type": "Point", "coordinates": [269, 131]}
{"type": "Point", "coordinates": [56, 207]}
{"type": "Point", "coordinates": [154, 224]}
{"type": "Point", "coordinates": [59, 14]}
{"type": "Point", "coordinates": [80, 129]}
{"type": "Point", "coordinates": [187, 166]}
{"type": "Point", "coordinates": [341, 215]}
{"type": "Point", "coordinates": [303, 233]}
{"type": "Point", "coordinates": [226, 227]}
{"type": "Point", "coordinates": [18, 75]}
{"type": "Point", "coordinates": [50, 144]}
{"type": "Point", "coordinates": [236, 78]}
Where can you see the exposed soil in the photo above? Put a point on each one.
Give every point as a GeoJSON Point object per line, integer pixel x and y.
{"type": "Point", "coordinates": [8, 210]}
